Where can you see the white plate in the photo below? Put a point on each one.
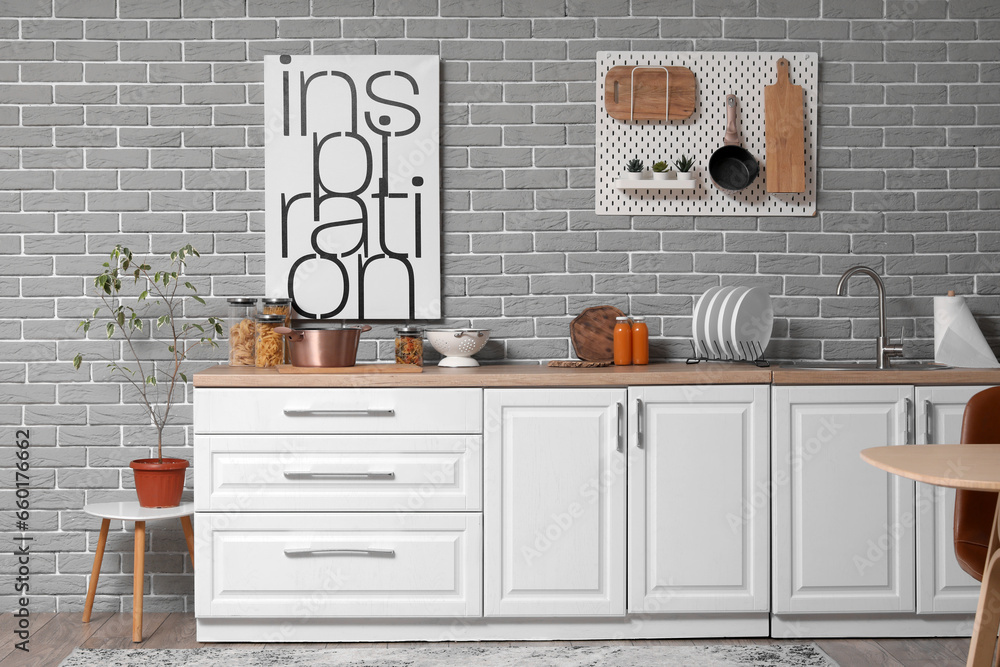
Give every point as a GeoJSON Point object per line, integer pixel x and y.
{"type": "Point", "coordinates": [727, 309]}
{"type": "Point", "coordinates": [711, 332]}
{"type": "Point", "coordinates": [753, 319]}
{"type": "Point", "coordinates": [698, 321]}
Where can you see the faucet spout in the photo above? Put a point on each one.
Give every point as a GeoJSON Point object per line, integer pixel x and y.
{"type": "Point", "coordinates": [884, 349]}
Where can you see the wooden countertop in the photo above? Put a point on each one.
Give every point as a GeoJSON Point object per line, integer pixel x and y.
{"type": "Point", "coordinates": [497, 375]}
{"type": "Point", "coordinates": [530, 375]}
{"type": "Point", "coordinates": [947, 376]}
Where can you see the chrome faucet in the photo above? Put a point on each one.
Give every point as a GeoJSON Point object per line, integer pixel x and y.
{"type": "Point", "coordinates": [885, 350]}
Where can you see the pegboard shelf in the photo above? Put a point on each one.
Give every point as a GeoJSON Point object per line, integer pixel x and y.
{"type": "Point", "coordinates": [644, 184]}
{"type": "Point", "coordinates": [717, 74]}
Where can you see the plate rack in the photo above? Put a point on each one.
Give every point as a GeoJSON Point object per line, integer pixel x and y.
{"type": "Point", "coordinates": [746, 353]}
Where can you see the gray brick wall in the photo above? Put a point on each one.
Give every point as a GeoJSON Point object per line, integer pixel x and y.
{"type": "Point", "coordinates": [112, 115]}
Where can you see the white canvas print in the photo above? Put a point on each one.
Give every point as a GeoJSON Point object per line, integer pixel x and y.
{"type": "Point", "coordinates": [352, 208]}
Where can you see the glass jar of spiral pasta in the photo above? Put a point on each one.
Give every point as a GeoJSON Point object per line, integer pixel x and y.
{"type": "Point", "coordinates": [242, 312]}
{"type": "Point", "coordinates": [269, 346]}
{"type": "Point", "coordinates": [279, 306]}
{"type": "Point", "coordinates": [410, 346]}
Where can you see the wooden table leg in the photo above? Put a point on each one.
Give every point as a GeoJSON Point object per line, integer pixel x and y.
{"type": "Point", "coordinates": [188, 536]}
{"type": "Point", "coordinates": [95, 572]}
{"type": "Point", "coordinates": [137, 577]}
{"type": "Point", "coordinates": [984, 632]}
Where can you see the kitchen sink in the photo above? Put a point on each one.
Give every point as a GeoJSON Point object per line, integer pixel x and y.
{"type": "Point", "coordinates": [866, 366]}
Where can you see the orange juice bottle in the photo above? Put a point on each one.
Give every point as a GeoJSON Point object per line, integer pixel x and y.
{"type": "Point", "coordinates": [623, 342]}
{"type": "Point", "coordinates": [640, 341]}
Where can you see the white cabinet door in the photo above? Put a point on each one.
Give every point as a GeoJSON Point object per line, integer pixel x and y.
{"type": "Point", "coordinates": [942, 585]}
{"type": "Point", "coordinates": [554, 505]}
{"type": "Point", "coordinates": [843, 530]}
{"type": "Point", "coordinates": [697, 498]}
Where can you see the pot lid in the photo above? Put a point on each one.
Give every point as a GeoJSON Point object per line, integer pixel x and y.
{"type": "Point", "coordinates": [409, 330]}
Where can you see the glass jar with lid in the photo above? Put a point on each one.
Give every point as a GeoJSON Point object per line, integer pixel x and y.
{"type": "Point", "coordinates": [279, 306]}
{"type": "Point", "coordinates": [240, 324]}
{"type": "Point", "coordinates": [269, 344]}
{"type": "Point", "coordinates": [410, 345]}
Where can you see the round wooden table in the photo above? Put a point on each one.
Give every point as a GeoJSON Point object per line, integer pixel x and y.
{"type": "Point", "coordinates": [975, 467]}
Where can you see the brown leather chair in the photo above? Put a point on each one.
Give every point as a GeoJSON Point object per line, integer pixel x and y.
{"type": "Point", "coordinates": [974, 509]}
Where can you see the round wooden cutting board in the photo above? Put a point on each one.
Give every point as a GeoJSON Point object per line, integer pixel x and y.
{"type": "Point", "coordinates": [592, 333]}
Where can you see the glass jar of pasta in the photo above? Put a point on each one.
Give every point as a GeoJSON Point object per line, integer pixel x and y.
{"type": "Point", "coordinates": [279, 306]}
{"type": "Point", "coordinates": [242, 311]}
{"type": "Point", "coordinates": [410, 346]}
{"type": "Point", "coordinates": [269, 345]}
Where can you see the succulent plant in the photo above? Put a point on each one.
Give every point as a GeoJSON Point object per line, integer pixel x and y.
{"type": "Point", "coordinates": [660, 167]}
{"type": "Point", "coordinates": [684, 164]}
{"type": "Point", "coordinates": [634, 166]}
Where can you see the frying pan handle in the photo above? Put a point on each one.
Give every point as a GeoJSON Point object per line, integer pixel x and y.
{"type": "Point", "coordinates": [732, 137]}
{"type": "Point", "coordinates": [290, 334]}
{"type": "Point", "coordinates": [782, 66]}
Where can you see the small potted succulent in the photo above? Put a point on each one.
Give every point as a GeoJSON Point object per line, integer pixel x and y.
{"type": "Point", "coordinates": [684, 165]}
{"type": "Point", "coordinates": [134, 294]}
{"type": "Point", "coordinates": [661, 171]}
{"type": "Point", "coordinates": [634, 169]}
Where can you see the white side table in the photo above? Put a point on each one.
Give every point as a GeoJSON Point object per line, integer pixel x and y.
{"type": "Point", "coordinates": [131, 511]}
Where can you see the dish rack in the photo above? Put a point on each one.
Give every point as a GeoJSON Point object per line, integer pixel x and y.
{"type": "Point", "coordinates": [747, 353]}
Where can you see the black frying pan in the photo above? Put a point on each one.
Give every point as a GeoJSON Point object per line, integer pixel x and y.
{"type": "Point", "coordinates": [732, 167]}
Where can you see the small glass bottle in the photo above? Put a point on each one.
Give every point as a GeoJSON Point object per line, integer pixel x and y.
{"type": "Point", "coordinates": [623, 342]}
{"type": "Point", "coordinates": [640, 341]}
{"type": "Point", "coordinates": [279, 306]}
{"type": "Point", "coordinates": [269, 345]}
{"type": "Point", "coordinates": [410, 346]}
{"type": "Point", "coordinates": [240, 325]}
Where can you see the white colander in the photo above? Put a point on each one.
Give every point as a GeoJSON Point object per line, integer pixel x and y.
{"type": "Point", "coordinates": [458, 345]}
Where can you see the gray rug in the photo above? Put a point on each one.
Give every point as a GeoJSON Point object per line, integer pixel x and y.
{"type": "Point", "coordinates": [776, 655]}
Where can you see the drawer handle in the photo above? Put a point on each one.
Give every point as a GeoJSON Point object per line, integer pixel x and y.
{"type": "Point", "coordinates": [305, 474]}
{"type": "Point", "coordinates": [371, 412]}
{"type": "Point", "coordinates": [374, 553]}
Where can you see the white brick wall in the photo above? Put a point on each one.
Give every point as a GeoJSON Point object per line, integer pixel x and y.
{"type": "Point", "coordinates": [138, 121]}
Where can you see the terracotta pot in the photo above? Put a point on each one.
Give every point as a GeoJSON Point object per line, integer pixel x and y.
{"type": "Point", "coordinates": [159, 484]}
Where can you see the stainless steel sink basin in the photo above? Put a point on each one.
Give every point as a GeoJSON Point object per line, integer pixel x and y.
{"type": "Point", "coordinates": [866, 366]}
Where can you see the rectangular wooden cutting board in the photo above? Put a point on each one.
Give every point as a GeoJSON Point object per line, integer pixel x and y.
{"type": "Point", "coordinates": [357, 369]}
{"type": "Point", "coordinates": [784, 141]}
{"type": "Point", "coordinates": [648, 86]}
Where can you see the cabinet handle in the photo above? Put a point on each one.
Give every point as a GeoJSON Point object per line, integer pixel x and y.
{"type": "Point", "coordinates": [618, 421]}
{"type": "Point", "coordinates": [638, 424]}
{"type": "Point", "coordinates": [305, 474]}
{"type": "Point", "coordinates": [374, 553]}
{"type": "Point", "coordinates": [929, 422]}
{"type": "Point", "coordinates": [371, 412]}
{"type": "Point", "coordinates": [909, 417]}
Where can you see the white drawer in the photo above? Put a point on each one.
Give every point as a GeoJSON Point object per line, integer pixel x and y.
{"type": "Point", "coordinates": [403, 473]}
{"type": "Point", "coordinates": [273, 410]}
{"type": "Point", "coordinates": [357, 565]}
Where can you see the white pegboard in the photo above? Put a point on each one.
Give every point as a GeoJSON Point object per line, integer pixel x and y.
{"type": "Point", "coordinates": [716, 74]}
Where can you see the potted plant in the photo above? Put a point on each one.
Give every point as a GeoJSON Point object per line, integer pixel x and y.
{"type": "Point", "coordinates": [127, 305]}
{"type": "Point", "coordinates": [684, 165]}
{"type": "Point", "coordinates": [634, 169]}
{"type": "Point", "coordinates": [661, 171]}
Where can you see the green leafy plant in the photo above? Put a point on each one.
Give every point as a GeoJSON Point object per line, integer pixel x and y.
{"type": "Point", "coordinates": [684, 164]}
{"type": "Point", "coordinates": [634, 166]}
{"type": "Point", "coordinates": [660, 167]}
{"type": "Point", "coordinates": [160, 296]}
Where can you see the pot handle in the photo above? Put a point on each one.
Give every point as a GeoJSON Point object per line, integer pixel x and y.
{"type": "Point", "coordinates": [366, 327]}
{"type": "Point", "coordinates": [732, 137]}
{"type": "Point", "coordinates": [294, 336]}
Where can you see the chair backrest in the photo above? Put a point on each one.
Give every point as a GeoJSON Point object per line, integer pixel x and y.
{"type": "Point", "coordinates": [974, 510]}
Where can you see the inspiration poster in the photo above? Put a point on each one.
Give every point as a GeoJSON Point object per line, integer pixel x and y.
{"type": "Point", "coordinates": [352, 206]}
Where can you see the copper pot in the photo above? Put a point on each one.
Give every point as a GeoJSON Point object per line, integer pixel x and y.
{"type": "Point", "coordinates": [323, 345]}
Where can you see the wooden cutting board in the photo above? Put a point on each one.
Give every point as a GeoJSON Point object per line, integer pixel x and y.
{"type": "Point", "coordinates": [592, 333]}
{"type": "Point", "coordinates": [784, 141]}
{"type": "Point", "coordinates": [650, 93]}
{"type": "Point", "coordinates": [359, 369]}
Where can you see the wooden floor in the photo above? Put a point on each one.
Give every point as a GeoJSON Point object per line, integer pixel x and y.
{"type": "Point", "coordinates": [54, 636]}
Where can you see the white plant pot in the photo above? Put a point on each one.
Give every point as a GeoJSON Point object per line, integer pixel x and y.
{"type": "Point", "coordinates": [631, 175]}
{"type": "Point", "coordinates": [685, 176]}
{"type": "Point", "coordinates": [661, 175]}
